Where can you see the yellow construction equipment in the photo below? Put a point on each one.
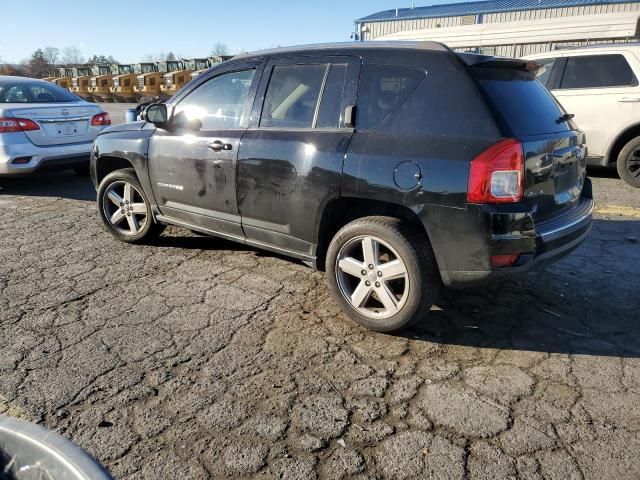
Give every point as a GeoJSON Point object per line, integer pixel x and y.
{"type": "Point", "coordinates": [174, 81]}
{"type": "Point", "coordinates": [123, 83]}
{"type": "Point", "coordinates": [64, 77]}
{"type": "Point", "coordinates": [148, 82]}
{"type": "Point", "coordinates": [101, 83]}
{"type": "Point", "coordinates": [211, 61]}
{"type": "Point", "coordinates": [80, 82]}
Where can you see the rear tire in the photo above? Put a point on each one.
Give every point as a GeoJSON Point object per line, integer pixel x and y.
{"type": "Point", "coordinates": [395, 289]}
{"type": "Point", "coordinates": [628, 163]}
{"type": "Point", "coordinates": [124, 208]}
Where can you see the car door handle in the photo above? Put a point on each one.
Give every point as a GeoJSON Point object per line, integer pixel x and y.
{"type": "Point", "coordinates": [629, 100]}
{"type": "Point", "coordinates": [219, 145]}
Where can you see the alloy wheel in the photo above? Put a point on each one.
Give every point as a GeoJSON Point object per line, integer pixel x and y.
{"type": "Point", "coordinates": [125, 208]}
{"type": "Point", "coordinates": [372, 277]}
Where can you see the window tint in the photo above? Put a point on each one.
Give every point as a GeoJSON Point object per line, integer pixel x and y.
{"type": "Point", "coordinates": [217, 103]}
{"type": "Point", "coordinates": [34, 92]}
{"type": "Point", "coordinates": [595, 71]}
{"type": "Point", "coordinates": [292, 96]}
{"type": "Point", "coordinates": [525, 104]}
{"type": "Point", "coordinates": [331, 104]}
{"type": "Point", "coordinates": [545, 70]}
{"type": "Point", "coordinates": [382, 90]}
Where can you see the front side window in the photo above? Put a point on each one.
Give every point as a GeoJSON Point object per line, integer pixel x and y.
{"type": "Point", "coordinates": [219, 102]}
{"type": "Point", "coordinates": [382, 90]}
{"type": "Point", "coordinates": [292, 96]}
{"type": "Point", "coordinates": [545, 69]}
{"type": "Point", "coordinates": [597, 71]}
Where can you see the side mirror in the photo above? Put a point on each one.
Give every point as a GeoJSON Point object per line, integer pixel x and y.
{"type": "Point", "coordinates": [156, 113]}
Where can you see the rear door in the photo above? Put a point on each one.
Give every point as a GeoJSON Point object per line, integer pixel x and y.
{"type": "Point", "coordinates": [555, 163]}
{"type": "Point", "coordinates": [602, 91]}
{"type": "Point", "coordinates": [290, 160]}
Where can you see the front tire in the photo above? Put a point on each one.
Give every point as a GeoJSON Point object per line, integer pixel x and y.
{"type": "Point", "coordinates": [383, 273]}
{"type": "Point", "coordinates": [628, 163]}
{"type": "Point", "coordinates": [125, 209]}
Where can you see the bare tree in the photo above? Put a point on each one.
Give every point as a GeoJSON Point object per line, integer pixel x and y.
{"type": "Point", "coordinates": [72, 56]}
{"type": "Point", "coordinates": [52, 54]}
{"type": "Point", "coordinates": [219, 49]}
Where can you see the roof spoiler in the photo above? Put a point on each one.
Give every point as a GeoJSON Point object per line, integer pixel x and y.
{"type": "Point", "coordinates": [485, 61]}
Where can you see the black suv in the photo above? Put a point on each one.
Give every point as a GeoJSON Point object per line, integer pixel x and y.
{"type": "Point", "coordinates": [395, 166]}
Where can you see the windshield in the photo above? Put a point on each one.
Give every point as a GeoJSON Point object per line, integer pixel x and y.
{"type": "Point", "coordinates": [173, 66]}
{"type": "Point", "coordinates": [83, 72]}
{"type": "Point", "coordinates": [202, 65]}
{"type": "Point", "coordinates": [105, 70]}
{"type": "Point", "coordinates": [34, 92]}
{"type": "Point", "coordinates": [148, 68]}
{"type": "Point", "coordinates": [124, 69]}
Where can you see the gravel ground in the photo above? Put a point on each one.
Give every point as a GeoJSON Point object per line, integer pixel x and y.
{"type": "Point", "coordinates": [195, 358]}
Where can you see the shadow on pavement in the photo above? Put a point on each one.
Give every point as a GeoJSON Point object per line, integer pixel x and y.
{"type": "Point", "coordinates": [50, 184]}
{"type": "Point", "coordinates": [585, 304]}
{"type": "Point", "coordinates": [603, 172]}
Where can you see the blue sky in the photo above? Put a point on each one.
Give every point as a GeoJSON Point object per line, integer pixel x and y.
{"type": "Point", "coordinates": [129, 30]}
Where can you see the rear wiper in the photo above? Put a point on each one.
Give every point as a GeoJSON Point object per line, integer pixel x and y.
{"type": "Point", "coordinates": [565, 117]}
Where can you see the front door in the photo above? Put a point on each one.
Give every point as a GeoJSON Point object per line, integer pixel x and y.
{"type": "Point", "coordinates": [290, 160]}
{"type": "Point", "coordinates": [192, 165]}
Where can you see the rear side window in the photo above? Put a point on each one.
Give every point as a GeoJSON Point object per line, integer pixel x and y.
{"type": "Point", "coordinates": [292, 96]}
{"type": "Point", "coordinates": [382, 90]}
{"type": "Point", "coordinates": [597, 71]}
{"type": "Point", "coordinates": [523, 103]}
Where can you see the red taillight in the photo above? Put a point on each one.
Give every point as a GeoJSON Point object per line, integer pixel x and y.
{"type": "Point", "coordinates": [497, 174]}
{"type": "Point", "coordinates": [8, 125]}
{"type": "Point", "coordinates": [506, 260]}
{"type": "Point", "coordinates": [101, 119]}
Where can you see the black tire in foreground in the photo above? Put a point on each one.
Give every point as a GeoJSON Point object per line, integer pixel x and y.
{"type": "Point", "coordinates": [383, 273]}
{"type": "Point", "coordinates": [125, 209]}
{"type": "Point", "coordinates": [629, 163]}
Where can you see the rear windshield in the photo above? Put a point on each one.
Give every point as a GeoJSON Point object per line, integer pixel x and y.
{"type": "Point", "coordinates": [522, 101]}
{"type": "Point", "coordinates": [34, 92]}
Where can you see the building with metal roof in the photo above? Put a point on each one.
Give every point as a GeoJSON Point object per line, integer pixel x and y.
{"type": "Point", "coordinates": [586, 22]}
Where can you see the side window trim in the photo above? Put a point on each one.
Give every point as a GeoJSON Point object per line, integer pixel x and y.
{"type": "Point", "coordinates": [557, 72]}
{"type": "Point", "coordinates": [327, 68]}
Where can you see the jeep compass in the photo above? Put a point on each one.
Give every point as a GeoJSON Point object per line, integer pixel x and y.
{"type": "Point", "coordinates": [394, 167]}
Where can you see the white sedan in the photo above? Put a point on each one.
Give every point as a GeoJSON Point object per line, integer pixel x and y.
{"type": "Point", "coordinates": [45, 126]}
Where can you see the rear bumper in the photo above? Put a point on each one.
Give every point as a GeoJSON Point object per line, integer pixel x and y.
{"type": "Point", "coordinates": [17, 146]}
{"type": "Point", "coordinates": [507, 231]}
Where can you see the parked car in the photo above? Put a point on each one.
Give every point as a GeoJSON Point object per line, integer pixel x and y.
{"type": "Point", "coordinates": [44, 125]}
{"type": "Point", "coordinates": [599, 85]}
{"type": "Point", "coordinates": [394, 166]}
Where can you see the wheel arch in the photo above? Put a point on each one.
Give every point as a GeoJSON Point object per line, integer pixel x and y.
{"type": "Point", "coordinates": [342, 210]}
{"type": "Point", "coordinates": [110, 163]}
{"type": "Point", "coordinates": [624, 137]}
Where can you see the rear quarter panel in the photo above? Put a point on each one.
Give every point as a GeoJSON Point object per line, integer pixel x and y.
{"type": "Point", "coordinates": [442, 126]}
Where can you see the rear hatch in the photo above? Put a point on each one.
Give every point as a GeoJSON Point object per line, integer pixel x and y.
{"type": "Point", "coordinates": [59, 124]}
{"type": "Point", "coordinates": [554, 149]}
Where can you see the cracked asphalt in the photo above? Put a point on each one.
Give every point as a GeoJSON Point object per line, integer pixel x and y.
{"type": "Point", "coordinates": [197, 358]}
